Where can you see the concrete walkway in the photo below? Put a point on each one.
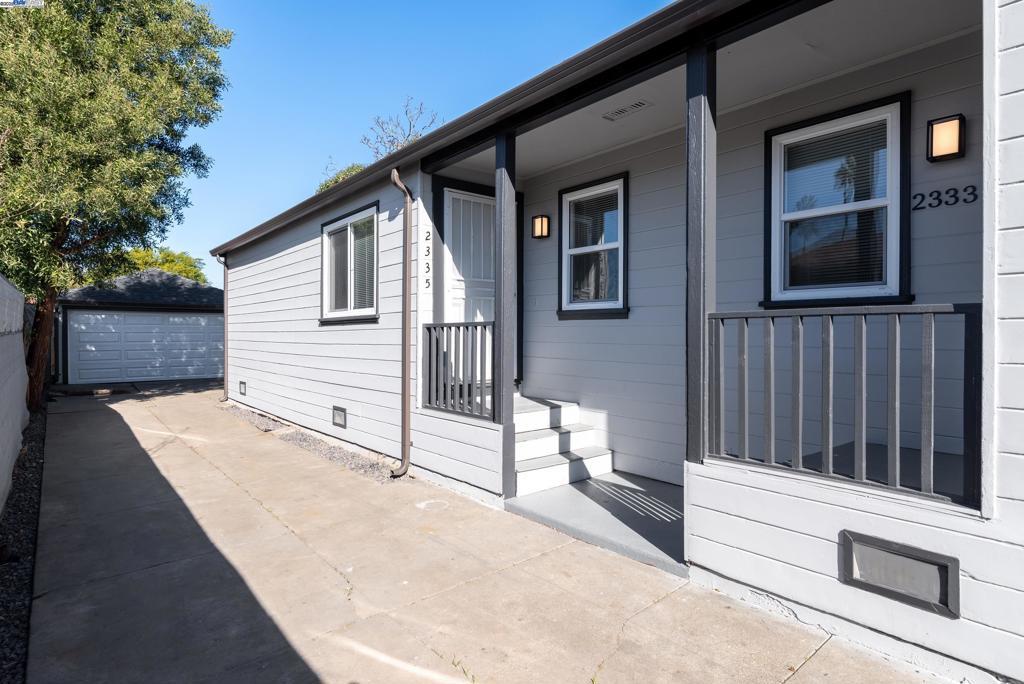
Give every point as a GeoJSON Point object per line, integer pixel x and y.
{"type": "Point", "coordinates": [179, 543]}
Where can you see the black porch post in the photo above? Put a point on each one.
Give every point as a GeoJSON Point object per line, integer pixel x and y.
{"type": "Point", "coordinates": [505, 302]}
{"type": "Point", "coordinates": [701, 197]}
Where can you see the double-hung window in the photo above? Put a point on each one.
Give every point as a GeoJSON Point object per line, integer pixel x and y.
{"type": "Point", "coordinates": [835, 216]}
{"type": "Point", "coordinates": [592, 236]}
{"type": "Point", "coordinates": [349, 287]}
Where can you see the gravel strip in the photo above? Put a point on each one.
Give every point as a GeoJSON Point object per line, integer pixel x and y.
{"type": "Point", "coordinates": [260, 421]}
{"type": "Point", "coordinates": [375, 469]}
{"type": "Point", "coordinates": [18, 527]}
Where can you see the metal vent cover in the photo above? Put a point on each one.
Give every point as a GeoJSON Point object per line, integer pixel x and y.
{"type": "Point", "coordinates": [626, 110]}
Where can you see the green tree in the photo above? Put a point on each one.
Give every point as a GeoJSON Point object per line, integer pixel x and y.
{"type": "Point", "coordinates": [388, 134]}
{"type": "Point", "coordinates": [164, 258]}
{"type": "Point", "coordinates": [96, 99]}
{"type": "Point", "coordinates": [340, 175]}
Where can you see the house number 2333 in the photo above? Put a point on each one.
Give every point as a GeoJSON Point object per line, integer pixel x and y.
{"type": "Point", "coordinates": [948, 197]}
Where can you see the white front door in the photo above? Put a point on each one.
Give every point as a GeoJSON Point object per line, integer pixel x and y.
{"type": "Point", "coordinates": [469, 257]}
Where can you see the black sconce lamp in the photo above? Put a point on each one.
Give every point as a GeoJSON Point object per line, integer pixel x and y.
{"type": "Point", "coordinates": [946, 138]}
{"type": "Point", "coordinates": [541, 227]}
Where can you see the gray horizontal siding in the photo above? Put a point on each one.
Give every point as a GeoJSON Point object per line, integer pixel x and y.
{"type": "Point", "coordinates": [298, 370]}
{"type": "Point", "coordinates": [627, 375]}
{"type": "Point", "coordinates": [946, 264]}
{"type": "Point", "coordinates": [779, 532]}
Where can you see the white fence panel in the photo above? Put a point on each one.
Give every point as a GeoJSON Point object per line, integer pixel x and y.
{"type": "Point", "coordinates": [13, 382]}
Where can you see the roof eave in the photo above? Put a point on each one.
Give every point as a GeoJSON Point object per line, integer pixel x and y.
{"type": "Point", "coordinates": [652, 30]}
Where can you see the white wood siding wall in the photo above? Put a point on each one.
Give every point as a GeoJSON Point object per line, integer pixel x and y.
{"type": "Point", "coordinates": [627, 375]}
{"type": "Point", "coordinates": [297, 369]}
{"type": "Point", "coordinates": [779, 532]}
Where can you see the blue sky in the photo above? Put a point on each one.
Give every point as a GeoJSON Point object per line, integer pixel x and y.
{"type": "Point", "coordinates": [308, 78]}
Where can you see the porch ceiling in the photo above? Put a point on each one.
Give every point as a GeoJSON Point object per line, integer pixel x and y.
{"type": "Point", "coordinates": [839, 36]}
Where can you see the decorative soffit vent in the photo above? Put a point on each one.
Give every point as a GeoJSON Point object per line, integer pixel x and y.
{"type": "Point", "coordinates": [626, 110]}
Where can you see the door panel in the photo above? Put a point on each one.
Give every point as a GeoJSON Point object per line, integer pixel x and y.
{"type": "Point", "coordinates": [122, 346]}
{"type": "Point", "coordinates": [469, 257]}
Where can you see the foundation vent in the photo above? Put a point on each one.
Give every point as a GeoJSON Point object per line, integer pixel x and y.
{"type": "Point", "coordinates": [919, 578]}
{"type": "Point", "coordinates": [626, 110]}
{"type": "Point", "coordinates": [339, 417]}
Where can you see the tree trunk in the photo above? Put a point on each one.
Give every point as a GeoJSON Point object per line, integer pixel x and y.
{"type": "Point", "coordinates": [39, 350]}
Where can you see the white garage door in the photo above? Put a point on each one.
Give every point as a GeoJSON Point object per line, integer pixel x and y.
{"type": "Point", "coordinates": [112, 346]}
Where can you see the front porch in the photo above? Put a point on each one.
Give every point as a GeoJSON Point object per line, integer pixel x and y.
{"type": "Point", "coordinates": [609, 287]}
{"type": "Point", "coordinates": [631, 515]}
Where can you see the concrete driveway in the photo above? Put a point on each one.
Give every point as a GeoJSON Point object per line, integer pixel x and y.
{"type": "Point", "coordinates": [179, 543]}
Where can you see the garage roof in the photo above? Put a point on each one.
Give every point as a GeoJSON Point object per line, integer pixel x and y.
{"type": "Point", "coordinates": [149, 289]}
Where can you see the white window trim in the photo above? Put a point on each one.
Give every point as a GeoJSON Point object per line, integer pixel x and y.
{"type": "Point", "coordinates": [568, 252]}
{"type": "Point", "coordinates": [326, 268]}
{"type": "Point", "coordinates": [891, 115]}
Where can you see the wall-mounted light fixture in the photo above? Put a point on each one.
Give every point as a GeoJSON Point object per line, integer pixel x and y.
{"type": "Point", "coordinates": [541, 227]}
{"type": "Point", "coordinates": [946, 138]}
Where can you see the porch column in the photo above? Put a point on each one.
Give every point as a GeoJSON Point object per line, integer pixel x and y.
{"type": "Point", "coordinates": [701, 198]}
{"type": "Point", "coordinates": [505, 302]}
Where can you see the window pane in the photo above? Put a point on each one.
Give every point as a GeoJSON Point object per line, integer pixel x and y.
{"type": "Point", "coordinates": [363, 264]}
{"type": "Point", "coordinates": [843, 249]}
{"type": "Point", "coordinates": [339, 270]}
{"type": "Point", "coordinates": [595, 276]}
{"type": "Point", "coordinates": [595, 220]}
{"type": "Point", "coordinates": [839, 168]}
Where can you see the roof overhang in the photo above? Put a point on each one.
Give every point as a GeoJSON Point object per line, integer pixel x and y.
{"type": "Point", "coordinates": [657, 41]}
{"type": "Point", "coordinates": [132, 306]}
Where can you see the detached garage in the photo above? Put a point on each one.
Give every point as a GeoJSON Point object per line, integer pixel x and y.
{"type": "Point", "coordinates": [150, 325]}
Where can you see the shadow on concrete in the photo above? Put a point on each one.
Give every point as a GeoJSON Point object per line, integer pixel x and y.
{"type": "Point", "coordinates": [150, 388]}
{"type": "Point", "coordinates": [128, 587]}
{"type": "Point", "coordinates": [629, 514]}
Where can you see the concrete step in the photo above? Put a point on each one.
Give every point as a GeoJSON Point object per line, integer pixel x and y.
{"type": "Point", "coordinates": [554, 440]}
{"type": "Point", "coordinates": [537, 414]}
{"type": "Point", "coordinates": [554, 470]}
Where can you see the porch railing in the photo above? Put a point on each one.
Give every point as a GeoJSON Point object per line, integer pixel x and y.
{"type": "Point", "coordinates": [877, 429]}
{"type": "Point", "coordinates": [459, 369]}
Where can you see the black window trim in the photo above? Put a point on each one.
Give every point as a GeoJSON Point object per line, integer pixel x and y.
{"type": "Point", "coordinates": [611, 312]}
{"type": "Point", "coordinates": [366, 318]}
{"type": "Point", "coordinates": [904, 296]}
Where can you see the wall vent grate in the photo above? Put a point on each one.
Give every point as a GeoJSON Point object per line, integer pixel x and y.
{"type": "Point", "coordinates": [339, 417]}
{"type": "Point", "coordinates": [626, 110]}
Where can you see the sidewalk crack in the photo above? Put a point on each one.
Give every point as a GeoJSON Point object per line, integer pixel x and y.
{"type": "Point", "coordinates": [622, 631]}
{"type": "Point", "coordinates": [807, 659]}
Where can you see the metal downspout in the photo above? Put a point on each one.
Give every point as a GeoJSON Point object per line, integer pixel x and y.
{"type": "Point", "coordinates": [222, 259]}
{"type": "Point", "coordinates": [403, 467]}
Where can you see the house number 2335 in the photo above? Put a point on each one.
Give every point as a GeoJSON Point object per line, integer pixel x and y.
{"type": "Point", "coordinates": [948, 197]}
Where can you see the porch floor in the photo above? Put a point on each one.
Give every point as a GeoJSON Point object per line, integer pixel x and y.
{"type": "Point", "coordinates": [628, 514]}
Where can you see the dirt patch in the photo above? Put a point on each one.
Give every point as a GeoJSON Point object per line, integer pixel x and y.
{"type": "Point", "coordinates": [18, 527]}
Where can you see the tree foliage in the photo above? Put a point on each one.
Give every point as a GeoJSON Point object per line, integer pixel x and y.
{"type": "Point", "coordinates": [96, 99]}
{"type": "Point", "coordinates": [388, 134]}
{"type": "Point", "coordinates": [392, 133]}
{"type": "Point", "coordinates": [340, 175]}
{"type": "Point", "coordinates": [164, 258]}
